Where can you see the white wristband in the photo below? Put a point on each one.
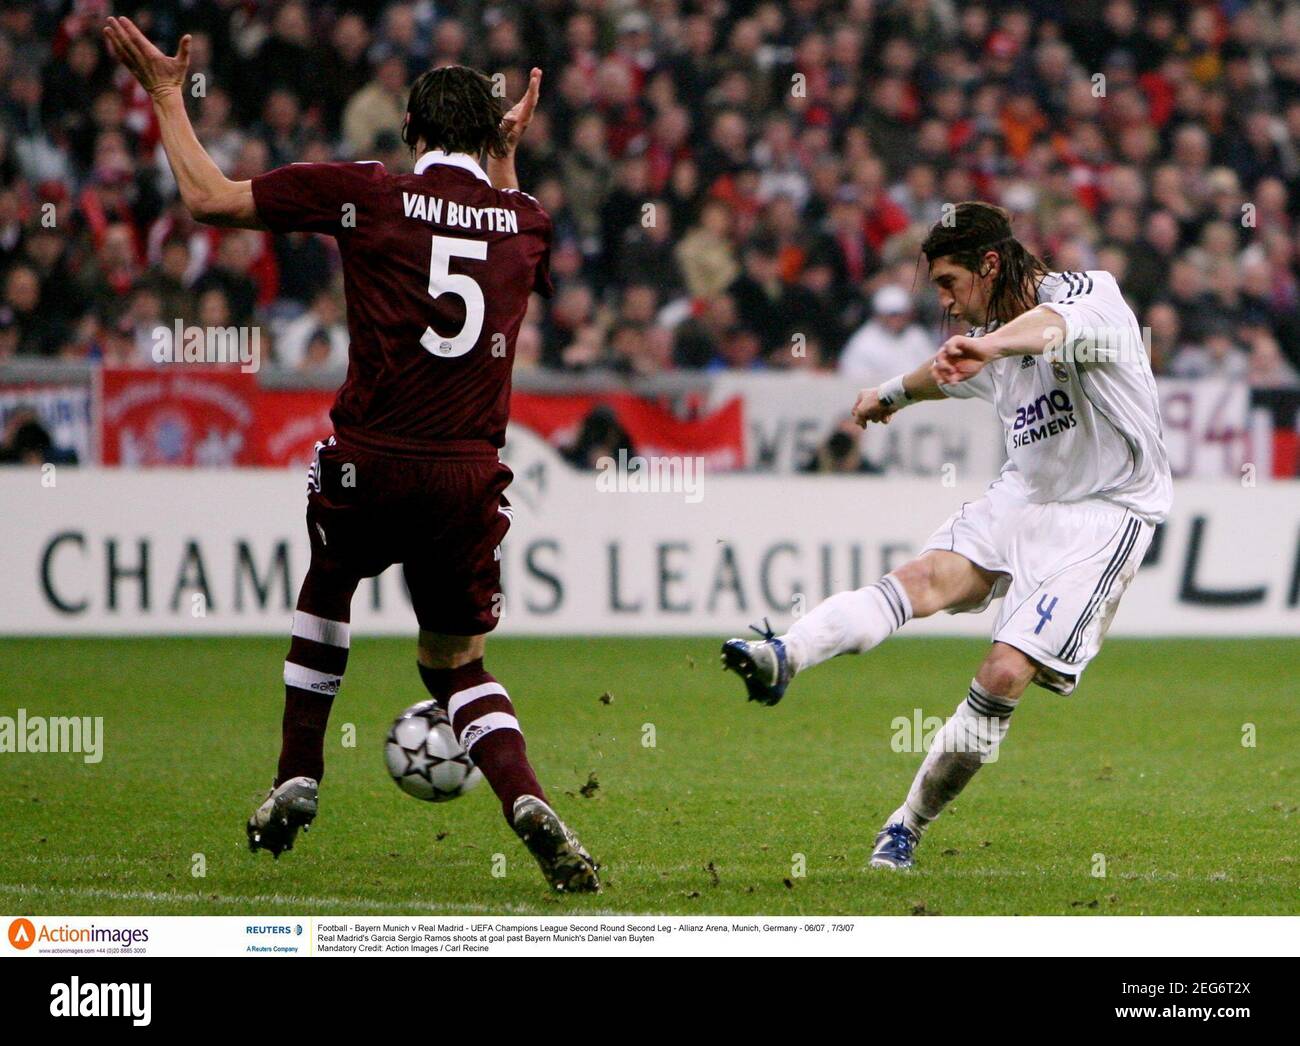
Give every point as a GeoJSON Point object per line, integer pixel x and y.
{"type": "Point", "coordinates": [893, 395]}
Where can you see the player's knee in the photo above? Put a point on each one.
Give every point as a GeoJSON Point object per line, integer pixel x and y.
{"type": "Point", "coordinates": [443, 651]}
{"type": "Point", "coordinates": [919, 579]}
{"type": "Point", "coordinates": [935, 581]}
{"type": "Point", "coordinates": [1006, 671]}
{"type": "Point", "coordinates": [327, 590]}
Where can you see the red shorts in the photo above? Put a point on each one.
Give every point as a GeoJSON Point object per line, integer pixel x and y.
{"type": "Point", "coordinates": [442, 517]}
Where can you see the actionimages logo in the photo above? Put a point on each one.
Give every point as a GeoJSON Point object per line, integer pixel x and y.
{"type": "Point", "coordinates": [22, 934]}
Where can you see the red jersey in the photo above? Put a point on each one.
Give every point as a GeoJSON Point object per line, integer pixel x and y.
{"type": "Point", "coordinates": [437, 268]}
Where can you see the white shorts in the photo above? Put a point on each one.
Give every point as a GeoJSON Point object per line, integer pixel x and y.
{"type": "Point", "coordinates": [1064, 567]}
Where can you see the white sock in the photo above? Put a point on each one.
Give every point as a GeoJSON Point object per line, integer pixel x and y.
{"type": "Point", "coordinates": [848, 623]}
{"type": "Point", "coordinates": [968, 740]}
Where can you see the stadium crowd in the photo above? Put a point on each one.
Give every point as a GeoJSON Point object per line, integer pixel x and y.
{"type": "Point", "coordinates": [733, 185]}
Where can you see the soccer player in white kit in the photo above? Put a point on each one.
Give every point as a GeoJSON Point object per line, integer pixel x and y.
{"type": "Point", "coordinates": [1058, 535]}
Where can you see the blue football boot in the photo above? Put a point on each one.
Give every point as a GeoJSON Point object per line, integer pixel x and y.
{"type": "Point", "coordinates": [895, 846]}
{"type": "Point", "coordinates": [764, 664]}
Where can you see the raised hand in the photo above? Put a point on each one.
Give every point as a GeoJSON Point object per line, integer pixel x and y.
{"type": "Point", "coordinates": [959, 358]}
{"type": "Point", "coordinates": [155, 72]}
{"type": "Point", "coordinates": [516, 121]}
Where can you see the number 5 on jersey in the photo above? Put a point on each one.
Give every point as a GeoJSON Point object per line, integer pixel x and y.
{"type": "Point", "coordinates": [442, 281]}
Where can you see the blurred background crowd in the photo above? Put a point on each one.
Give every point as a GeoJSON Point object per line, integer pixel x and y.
{"type": "Point", "coordinates": [734, 185]}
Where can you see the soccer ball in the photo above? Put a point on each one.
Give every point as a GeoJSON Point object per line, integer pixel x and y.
{"type": "Point", "coordinates": [424, 758]}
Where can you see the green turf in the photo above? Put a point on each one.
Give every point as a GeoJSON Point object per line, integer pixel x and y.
{"type": "Point", "coordinates": [1145, 765]}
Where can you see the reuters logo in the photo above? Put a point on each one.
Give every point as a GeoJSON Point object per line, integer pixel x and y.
{"type": "Point", "coordinates": [22, 934]}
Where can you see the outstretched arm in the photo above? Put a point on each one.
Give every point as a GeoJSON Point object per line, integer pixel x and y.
{"type": "Point", "coordinates": [209, 195]}
{"type": "Point", "coordinates": [1029, 334]}
{"type": "Point", "coordinates": [882, 403]}
{"type": "Point", "coordinates": [501, 169]}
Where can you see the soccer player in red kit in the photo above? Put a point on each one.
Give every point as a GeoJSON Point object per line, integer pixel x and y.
{"type": "Point", "coordinates": [438, 266]}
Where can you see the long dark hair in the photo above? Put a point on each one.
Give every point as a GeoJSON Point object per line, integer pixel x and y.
{"type": "Point", "coordinates": [975, 229]}
{"type": "Point", "coordinates": [454, 109]}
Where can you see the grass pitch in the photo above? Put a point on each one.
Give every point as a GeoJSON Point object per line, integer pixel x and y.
{"type": "Point", "coordinates": [694, 801]}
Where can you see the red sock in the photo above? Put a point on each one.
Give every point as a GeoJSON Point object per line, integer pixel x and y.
{"type": "Point", "coordinates": [313, 671]}
{"type": "Point", "coordinates": [484, 722]}
{"type": "Point", "coordinates": [302, 735]}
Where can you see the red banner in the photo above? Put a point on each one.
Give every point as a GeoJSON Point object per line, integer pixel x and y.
{"type": "Point", "coordinates": [717, 437]}
{"type": "Point", "coordinates": [289, 422]}
{"type": "Point", "coordinates": [182, 416]}
{"type": "Point", "coordinates": [220, 417]}
{"type": "Point", "coordinates": [208, 417]}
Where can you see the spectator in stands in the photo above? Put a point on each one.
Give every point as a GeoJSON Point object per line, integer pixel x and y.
{"type": "Point", "coordinates": [48, 254]}
{"type": "Point", "coordinates": [633, 352]}
{"type": "Point", "coordinates": [36, 332]}
{"type": "Point", "coordinates": [528, 348]}
{"type": "Point", "coordinates": [820, 307]}
{"type": "Point", "coordinates": [1268, 368]}
{"type": "Point", "coordinates": [706, 254]}
{"type": "Point", "coordinates": [317, 339]}
{"type": "Point", "coordinates": [805, 352]}
{"type": "Point", "coordinates": [214, 308]}
{"type": "Point", "coordinates": [1219, 355]}
{"type": "Point", "coordinates": [344, 70]}
{"type": "Point", "coordinates": [109, 275]}
{"type": "Point", "coordinates": [841, 454]}
{"type": "Point", "coordinates": [379, 106]}
{"type": "Point", "coordinates": [572, 312]}
{"type": "Point", "coordinates": [26, 441]}
{"type": "Point", "coordinates": [1152, 257]}
{"type": "Point", "coordinates": [169, 279]}
{"type": "Point", "coordinates": [230, 275]}
{"type": "Point", "coordinates": [697, 338]}
{"type": "Point", "coordinates": [587, 174]}
{"type": "Point", "coordinates": [11, 227]}
{"type": "Point", "coordinates": [285, 60]}
{"type": "Point", "coordinates": [600, 436]}
{"type": "Point", "coordinates": [764, 299]}
{"type": "Point", "coordinates": [622, 211]}
{"type": "Point", "coordinates": [1165, 333]}
{"type": "Point", "coordinates": [305, 264]}
{"type": "Point", "coordinates": [146, 325]}
{"type": "Point", "coordinates": [889, 343]}
{"type": "Point", "coordinates": [648, 251]}
{"type": "Point", "coordinates": [281, 127]}
{"type": "Point", "coordinates": [1189, 295]}
{"type": "Point", "coordinates": [317, 354]}
{"type": "Point", "coordinates": [844, 234]}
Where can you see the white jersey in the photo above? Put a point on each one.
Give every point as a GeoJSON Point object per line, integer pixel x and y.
{"type": "Point", "coordinates": [1084, 421]}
